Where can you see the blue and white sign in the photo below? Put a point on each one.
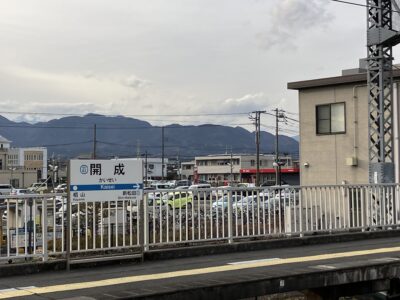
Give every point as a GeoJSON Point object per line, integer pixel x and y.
{"type": "Point", "coordinates": [105, 180]}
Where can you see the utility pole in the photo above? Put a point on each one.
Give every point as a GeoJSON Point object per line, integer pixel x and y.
{"type": "Point", "coordinates": [279, 114]}
{"type": "Point", "coordinates": [94, 142]}
{"type": "Point", "coordinates": [162, 153]}
{"type": "Point", "coordinates": [256, 120]}
{"type": "Point", "coordinates": [231, 177]}
{"type": "Point", "coordinates": [277, 171]}
{"type": "Point", "coordinates": [146, 168]}
{"type": "Point", "coordinates": [137, 148]}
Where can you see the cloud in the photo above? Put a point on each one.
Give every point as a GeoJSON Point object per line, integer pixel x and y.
{"type": "Point", "coordinates": [134, 82]}
{"type": "Point", "coordinates": [292, 18]}
{"type": "Point", "coordinates": [246, 103]}
{"type": "Point", "coordinates": [46, 111]}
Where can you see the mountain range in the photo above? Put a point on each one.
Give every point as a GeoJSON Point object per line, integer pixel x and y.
{"type": "Point", "coordinates": [120, 136]}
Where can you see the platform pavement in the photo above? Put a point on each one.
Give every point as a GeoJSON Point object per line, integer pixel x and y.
{"type": "Point", "coordinates": [225, 275]}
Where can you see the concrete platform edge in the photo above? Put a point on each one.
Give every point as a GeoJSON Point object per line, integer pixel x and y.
{"type": "Point", "coordinates": [193, 251]}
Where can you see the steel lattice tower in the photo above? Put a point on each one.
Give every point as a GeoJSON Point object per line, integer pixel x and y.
{"type": "Point", "coordinates": [380, 39]}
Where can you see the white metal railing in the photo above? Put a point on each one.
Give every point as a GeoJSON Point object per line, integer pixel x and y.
{"type": "Point", "coordinates": [27, 226]}
{"type": "Point", "coordinates": [181, 216]}
{"type": "Point", "coordinates": [37, 225]}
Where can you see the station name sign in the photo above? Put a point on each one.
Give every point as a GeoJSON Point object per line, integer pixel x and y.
{"type": "Point", "coordinates": [106, 180]}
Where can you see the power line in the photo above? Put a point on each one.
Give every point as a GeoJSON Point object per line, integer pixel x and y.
{"type": "Point", "coordinates": [351, 3]}
{"type": "Point", "coordinates": [33, 126]}
{"type": "Point", "coordinates": [136, 115]}
{"type": "Point", "coordinates": [362, 5]}
{"type": "Point", "coordinates": [65, 144]}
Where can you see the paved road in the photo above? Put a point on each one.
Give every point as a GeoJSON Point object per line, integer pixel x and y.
{"type": "Point", "coordinates": [197, 274]}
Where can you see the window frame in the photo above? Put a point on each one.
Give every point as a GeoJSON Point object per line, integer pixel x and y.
{"type": "Point", "coordinates": [330, 119]}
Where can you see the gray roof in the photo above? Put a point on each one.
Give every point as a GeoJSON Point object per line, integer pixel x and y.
{"type": "Point", "coordinates": [4, 140]}
{"type": "Point", "coordinates": [332, 81]}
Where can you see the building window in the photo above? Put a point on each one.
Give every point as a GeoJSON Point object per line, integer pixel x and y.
{"type": "Point", "coordinates": [252, 162]}
{"type": "Point", "coordinates": [331, 118]}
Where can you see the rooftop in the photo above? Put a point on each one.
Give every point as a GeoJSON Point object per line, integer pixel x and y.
{"type": "Point", "coordinates": [4, 140]}
{"type": "Point", "coordinates": [359, 78]}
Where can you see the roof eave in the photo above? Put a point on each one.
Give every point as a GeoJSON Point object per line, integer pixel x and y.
{"type": "Point", "coordinates": [332, 81]}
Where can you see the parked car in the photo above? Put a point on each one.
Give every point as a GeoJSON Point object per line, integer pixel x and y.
{"type": "Point", "coordinates": [179, 183]}
{"type": "Point", "coordinates": [250, 202]}
{"type": "Point", "coordinates": [222, 203]}
{"type": "Point", "coordinates": [16, 192]}
{"type": "Point", "coordinates": [201, 191]}
{"type": "Point", "coordinates": [38, 187]}
{"type": "Point", "coordinates": [61, 188]}
{"type": "Point", "coordinates": [161, 186]}
{"type": "Point", "coordinates": [177, 200]}
{"type": "Point", "coordinates": [5, 189]}
{"type": "Point", "coordinates": [220, 191]}
{"type": "Point", "coordinates": [182, 187]}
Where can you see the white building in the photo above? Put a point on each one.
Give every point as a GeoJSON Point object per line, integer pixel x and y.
{"type": "Point", "coordinates": [4, 146]}
{"type": "Point", "coordinates": [154, 167]}
{"type": "Point", "coordinates": [29, 159]}
{"type": "Point", "coordinates": [221, 169]}
{"type": "Point", "coordinates": [21, 166]}
{"type": "Point", "coordinates": [187, 170]}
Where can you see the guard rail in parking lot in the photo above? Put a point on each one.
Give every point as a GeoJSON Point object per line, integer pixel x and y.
{"type": "Point", "coordinates": [37, 225]}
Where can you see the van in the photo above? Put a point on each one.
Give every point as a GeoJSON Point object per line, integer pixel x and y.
{"type": "Point", "coordinates": [5, 189]}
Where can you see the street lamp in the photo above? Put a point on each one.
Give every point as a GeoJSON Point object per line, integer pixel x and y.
{"type": "Point", "coordinates": [54, 169]}
{"type": "Point", "coordinates": [11, 178]}
{"type": "Point", "coordinates": [277, 165]}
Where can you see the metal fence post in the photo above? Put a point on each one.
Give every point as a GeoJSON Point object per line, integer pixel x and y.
{"type": "Point", "coordinates": [301, 211]}
{"type": "Point", "coordinates": [142, 230]}
{"type": "Point", "coordinates": [230, 224]}
{"type": "Point", "coordinates": [44, 230]}
{"type": "Point", "coordinates": [145, 224]}
{"type": "Point", "coordinates": [69, 213]}
{"type": "Point", "coordinates": [396, 205]}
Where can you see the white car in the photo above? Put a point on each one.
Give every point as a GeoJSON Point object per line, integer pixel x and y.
{"type": "Point", "coordinates": [38, 187]}
{"type": "Point", "coordinates": [223, 201]}
{"type": "Point", "coordinates": [182, 187]}
{"type": "Point", "coordinates": [251, 202]}
{"type": "Point", "coordinates": [220, 191]}
{"type": "Point", "coordinates": [61, 188]}
{"type": "Point", "coordinates": [16, 192]}
{"type": "Point", "coordinates": [5, 189]}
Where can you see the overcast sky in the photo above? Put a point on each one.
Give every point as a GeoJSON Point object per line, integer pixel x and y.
{"type": "Point", "coordinates": [157, 57]}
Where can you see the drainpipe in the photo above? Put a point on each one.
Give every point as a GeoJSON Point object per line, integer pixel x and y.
{"type": "Point", "coordinates": [355, 121]}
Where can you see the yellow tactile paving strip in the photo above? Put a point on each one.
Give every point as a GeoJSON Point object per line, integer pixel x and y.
{"type": "Point", "coordinates": [199, 271]}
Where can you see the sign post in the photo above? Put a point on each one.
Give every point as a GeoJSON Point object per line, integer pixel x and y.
{"type": "Point", "coordinates": [102, 181]}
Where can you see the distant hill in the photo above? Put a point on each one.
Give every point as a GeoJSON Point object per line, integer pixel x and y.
{"type": "Point", "coordinates": [121, 136]}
